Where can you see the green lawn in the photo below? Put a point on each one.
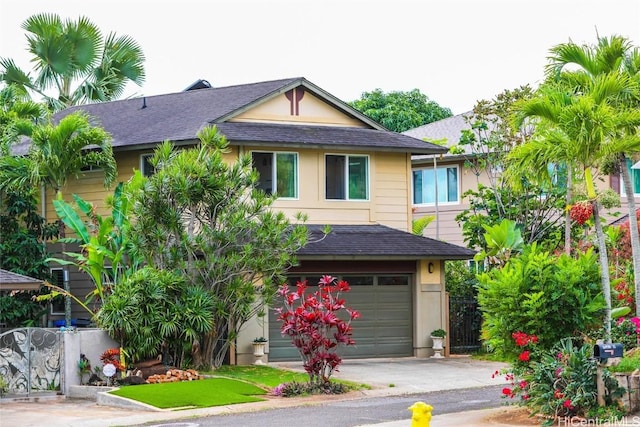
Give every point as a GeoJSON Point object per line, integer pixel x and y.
{"type": "Point", "coordinates": [228, 385]}
{"type": "Point", "coordinates": [265, 376]}
{"type": "Point", "coordinates": [193, 394]}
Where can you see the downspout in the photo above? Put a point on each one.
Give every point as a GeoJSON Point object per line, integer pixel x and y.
{"type": "Point", "coordinates": [435, 181]}
{"type": "Point", "coordinates": [43, 202]}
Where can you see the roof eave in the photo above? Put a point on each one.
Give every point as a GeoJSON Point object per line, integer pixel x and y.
{"type": "Point", "coordinates": [382, 257]}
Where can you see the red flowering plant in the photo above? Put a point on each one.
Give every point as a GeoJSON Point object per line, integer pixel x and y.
{"type": "Point", "coordinates": [520, 368]}
{"type": "Point", "coordinates": [113, 356]}
{"type": "Point", "coordinates": [559, 383]}
{"type": "Point", "coordinates": [313, 324]}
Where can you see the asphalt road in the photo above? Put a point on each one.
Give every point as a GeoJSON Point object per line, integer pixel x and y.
{"type": "Point", "coordinates": [349, 413]}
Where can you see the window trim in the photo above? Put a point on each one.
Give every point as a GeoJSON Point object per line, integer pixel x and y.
{"type": "Point", "coordinates": [631, 166]}
{"type": "Point", "coordinates": [142, 163]}
{"type": "Point", "coordinates": [346, 183]}
{"type": "Point", "coordinates": [274, 172]}
{"type": "Point", "coordinates": [440, 203]}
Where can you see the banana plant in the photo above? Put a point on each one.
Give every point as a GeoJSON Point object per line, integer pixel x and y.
{"type": "Point", "coordinates": [105, 253]}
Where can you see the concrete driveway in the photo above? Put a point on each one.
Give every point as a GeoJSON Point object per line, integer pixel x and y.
{"type": "Point", "coordinates": [412, 375]}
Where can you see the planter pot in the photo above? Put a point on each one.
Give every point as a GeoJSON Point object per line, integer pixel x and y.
{"type": "Point", "coordinates": [437, 347]}
{"type": "Point", "coordinates": [258, 352]}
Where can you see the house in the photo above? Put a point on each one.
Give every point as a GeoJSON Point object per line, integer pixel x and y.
{"type": "Point", "coordinates": [455, 176]}
{"type": "Point", "coordinates": [397, 278]}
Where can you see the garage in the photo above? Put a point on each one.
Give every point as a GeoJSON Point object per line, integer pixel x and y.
{"type": "Point", "coordinates": [384, 328]}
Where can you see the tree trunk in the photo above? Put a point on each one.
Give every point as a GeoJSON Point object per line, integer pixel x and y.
{"type": "Point", "coordinates": [633, 228]}
{"type": "Point", "coordinates": [567, 214]}
{"type": "Point", "coordinates": [604, 273]}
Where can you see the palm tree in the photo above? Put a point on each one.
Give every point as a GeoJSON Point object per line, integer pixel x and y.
{"type": "Point", "coordinates": [66, 52]}
{"type": "Point", "coordinates": [609, 56]}
{"type": "Point", "coordinates": [57, 153]}
{"type": "Point", "coordinates": [17, 117]}
{"type": "Point", "coordinates": [579, 128]}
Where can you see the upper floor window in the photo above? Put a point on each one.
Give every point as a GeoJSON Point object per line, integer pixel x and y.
{"type": "Point", "coordinates": [278, 173]}
{"type": "Point", "coordinates": [145, 166]}
{"type": "Point", "coordinates": [634, 173]}
{"type": "Point", "coordinates": [347, 177]}
{"type": "Point", "coordinates": [425, 183]}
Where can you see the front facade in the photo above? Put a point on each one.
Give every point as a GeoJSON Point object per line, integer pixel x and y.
{"type": "Point", "coordinates": [323, 159]}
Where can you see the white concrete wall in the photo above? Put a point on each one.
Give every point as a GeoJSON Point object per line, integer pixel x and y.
{"type": "Point", "coordinates": [90, 342]}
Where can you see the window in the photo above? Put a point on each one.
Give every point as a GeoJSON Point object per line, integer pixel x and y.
{"type": "Point", "coordinates": [57, 303]}
{"type": "Point", "coordinates": [634, 173]}
{"type": "Point", "coordinates": [347, 177]}
{"type": "Point", "coordinates": [91, 168]}
{"type": "Point", "coordinates": [425, 181]}
{"type": "Point", "coordinates": [145, 166]}
{"type": "Point", "coordinates": [278, 173]}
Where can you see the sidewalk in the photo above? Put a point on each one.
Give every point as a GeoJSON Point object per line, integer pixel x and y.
{"type": "Point", "coordinates": [387, 377]}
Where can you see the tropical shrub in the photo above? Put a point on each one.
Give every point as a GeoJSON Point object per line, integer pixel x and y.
{"type": "Point", "coordinates": [623, 330]}
{"type": "Point", "coordinates": [460, 279]}
{"type": "Point", "coordinates": [559, 383]}
{"type": "Point", "coordinates": [154, 312]}
{"type": "Point", "coordinates": [549, 296]}
{"type": "Point", "coordinates": [313, 324]}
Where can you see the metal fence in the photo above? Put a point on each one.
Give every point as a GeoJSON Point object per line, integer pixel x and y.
{"type": "Point", "coordinates": [30, 360]}
{"type": "Point", "coordinates": [465, 320]}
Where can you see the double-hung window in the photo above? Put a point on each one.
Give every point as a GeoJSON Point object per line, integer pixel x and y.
{"type": "Point", "coordinates": [278, 173]}
{"type": "Point", "coordinates": [426, 181]}
{"type": "Point", "coordinates": [347, 177]}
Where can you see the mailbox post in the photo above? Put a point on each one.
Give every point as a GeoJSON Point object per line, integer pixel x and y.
{"type": "Point", "coordinates": [602, 353]}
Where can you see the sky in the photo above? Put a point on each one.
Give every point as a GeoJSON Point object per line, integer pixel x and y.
{"type": "Point", "coordinates": [456, 52]}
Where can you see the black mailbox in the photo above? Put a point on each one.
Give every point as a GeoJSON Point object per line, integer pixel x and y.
{"type": "Point", "coordinates": [607, 351]}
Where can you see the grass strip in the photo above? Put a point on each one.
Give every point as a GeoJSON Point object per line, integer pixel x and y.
{"type": "Point", "coordinates": [193, 394]}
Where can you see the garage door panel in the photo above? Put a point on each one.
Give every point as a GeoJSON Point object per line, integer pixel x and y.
{"type": "Point", "coordinates": [385, 328]}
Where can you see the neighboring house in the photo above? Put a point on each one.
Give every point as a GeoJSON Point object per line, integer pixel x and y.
{"type": "Point", "coordinates": [454, 178]}
{"type": "Point", "coordinates": [343, 169]}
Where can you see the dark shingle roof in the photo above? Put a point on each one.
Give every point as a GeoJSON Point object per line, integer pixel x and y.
{"type": "Point", "coordinates": [323, 136]}
{"type": "Point", "coordinates": [178, 117]}
{"type": "Point", "coordinates": [377, 241]}
{"type": "Point", "coordinates": [14, 281]}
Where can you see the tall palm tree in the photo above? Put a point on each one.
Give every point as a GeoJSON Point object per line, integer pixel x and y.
{"type": "Point", "coordinates": [17, 117]}
{"type": "Point", "coordinates": [75, 52]}
{"type": "Point", "coordinates": [611, 55]}
{"type": "Point", "coordinates": [580, 129]}
{"type": "Point", "coordinates": [57, 153]}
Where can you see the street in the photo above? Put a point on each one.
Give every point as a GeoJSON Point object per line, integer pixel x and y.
{"type": "Point", "coordinates": [349, 413]}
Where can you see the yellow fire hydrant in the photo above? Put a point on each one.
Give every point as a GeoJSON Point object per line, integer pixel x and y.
{"type": "Point", "coordinates": [421, 414]}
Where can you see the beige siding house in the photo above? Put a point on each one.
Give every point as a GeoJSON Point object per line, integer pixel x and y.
{"type": "Point", "coordinates": [340, 168]}
{"type": "Point", "coordinates": [454, 178]}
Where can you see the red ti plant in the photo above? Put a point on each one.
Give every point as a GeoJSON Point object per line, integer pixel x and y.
{"type": "Point", "coordinates": [312, 322]}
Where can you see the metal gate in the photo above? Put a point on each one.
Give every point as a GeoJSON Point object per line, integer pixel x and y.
{"type": "Point", "coordinates": [30, 360]}
{"type": "Point", "coordinates": [465, 320]}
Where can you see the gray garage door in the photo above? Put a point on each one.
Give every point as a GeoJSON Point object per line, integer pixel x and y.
{"type": "Point", "coordinates": [384, 328]}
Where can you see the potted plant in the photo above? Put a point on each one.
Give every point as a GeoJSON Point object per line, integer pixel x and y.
{"type": "Point", "coordinates": [258, 349]}
{"type": "Point", "coordinates": [84, 367]}
{"type": "Point", "coordinates": [438, 339]}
